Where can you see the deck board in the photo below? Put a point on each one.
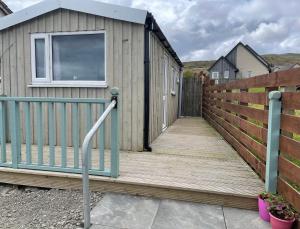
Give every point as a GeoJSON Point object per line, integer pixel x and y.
{"type": "Point", "coordinates": [190, 161]}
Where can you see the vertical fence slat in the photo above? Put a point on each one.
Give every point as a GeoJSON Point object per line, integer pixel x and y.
{"type": "Point", "coordinates": [15, 133]}
{"type": "Point", "coordinates": [88, 127]}
{"type": "Point", "coordinates": [40, 137]}
{"type": "Point", "coordinates": [75, 133]}
{"type": "Point", "coordinates": [3, 131]}
{"type": "Point", "coordinates": [63, 135]}
{"type": "Point", "coordinates": [102, 140]}
{"type": "Point", "coordinates": [51, 134]}
{"type": "Point", "coordinates": [28, 132]}
{"type": "Point", "coordinates": [114, 138]}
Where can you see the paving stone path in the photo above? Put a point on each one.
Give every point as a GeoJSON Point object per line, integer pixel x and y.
{"type": "Point", "coordinates": [116, 211]}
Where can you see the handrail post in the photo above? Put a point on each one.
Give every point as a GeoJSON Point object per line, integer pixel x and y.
{"type": "Point", "coordinates": [273, 141]}
{"type": "Point", "coordinates": [115, 135]}
{"type": "Point", "coordinates": [112, 107]}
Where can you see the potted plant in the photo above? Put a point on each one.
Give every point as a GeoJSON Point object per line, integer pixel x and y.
{"type": "Point", "coordinates": [263, 204]}
{"type": "Point", "coordinates": [282, 216]}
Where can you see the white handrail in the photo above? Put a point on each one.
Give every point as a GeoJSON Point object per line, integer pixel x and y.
{"type": "Point", "coordinates": [85, 163]}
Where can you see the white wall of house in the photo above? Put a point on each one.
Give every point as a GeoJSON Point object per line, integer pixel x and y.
{"type": "Point", "coordinates": [248, 65]}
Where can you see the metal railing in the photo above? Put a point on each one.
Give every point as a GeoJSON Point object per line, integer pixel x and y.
{"type": "Point", "coordinates": [113, 108]}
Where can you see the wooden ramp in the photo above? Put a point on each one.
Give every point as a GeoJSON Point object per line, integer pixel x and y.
{"type": "Point", "coordinates": [190, 161]}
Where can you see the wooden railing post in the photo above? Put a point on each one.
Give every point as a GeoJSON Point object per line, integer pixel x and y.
{"type": "Point", "coordinates": [115, 135]}
{"type": "Point", "coordinates": [15, 133]}
{"type": "Point", "coordinates": [273, 141]}
{"type": "Point", "coordinates": [3, 130]}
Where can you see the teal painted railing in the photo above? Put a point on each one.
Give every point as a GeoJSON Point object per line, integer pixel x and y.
{"type": "Point", "coordinates": [20, 117]}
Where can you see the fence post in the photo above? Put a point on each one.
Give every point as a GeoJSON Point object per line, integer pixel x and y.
{"type": "Point", "coordinates": [115, 135]}
{"type": "Point", "coordinates": [273, 141]}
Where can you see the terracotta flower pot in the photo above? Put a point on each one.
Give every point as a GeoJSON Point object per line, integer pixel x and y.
{"type": "Point", "coordinates": [263, 209]}
{"type": "Point", "coordinates": [280, 223]}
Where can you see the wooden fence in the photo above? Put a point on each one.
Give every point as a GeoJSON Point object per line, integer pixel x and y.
{"type": "Point", "coordinates": [239, 111]}
{"type": "Point", "coordinates": [191, 95]}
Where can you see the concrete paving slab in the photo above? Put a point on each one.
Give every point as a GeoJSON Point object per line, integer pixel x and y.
{"type": "Point", "coordinates": [179, 215]}
{"type": "Point", "coordinates": [238, 218]}
{"type": "Point", "coordinates": [124, 211]}
{"type": "Point", "coordinates": [103, 227]}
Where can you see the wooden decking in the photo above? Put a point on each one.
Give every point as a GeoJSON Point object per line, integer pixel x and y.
{"type": "Point", "coordinates": [190, 161]}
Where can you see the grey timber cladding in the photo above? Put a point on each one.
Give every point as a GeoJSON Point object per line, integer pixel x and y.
{"type": "Point", "coordinates": [221, 66]}
{"type": "Point", "coordinates": [231, 56]}
{"type": "Point", "coordinates": [124, 62]}
{"type": "Point", "coordinates": [157, 53]}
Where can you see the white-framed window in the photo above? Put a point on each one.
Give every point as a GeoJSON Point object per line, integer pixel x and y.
{"type": "Point", "coordinates": [69, 59]}
{"type": "Point", "coordinates": [40, 57]}
{"type": "Point", "coordinates": [215, 75]}
{"type": "Point", "coordinates": [249, 73]}
{"type": "Point", "coordinates": [226, 74]}
{"type": "Point", "coordinates": [174, 80]}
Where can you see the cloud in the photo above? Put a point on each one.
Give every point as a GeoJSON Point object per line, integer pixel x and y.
{"type": "Point", "coordinates": [207, 29]}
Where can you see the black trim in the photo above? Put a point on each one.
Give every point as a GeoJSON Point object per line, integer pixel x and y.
{"type": "Point", "coordinates": [154, 27]}
{"type": "Point", "coordinates": [151, 25]}
{"type": "Point", "coordinates": [258, 57]}
{"type": "Point", "coordinates": [148, 26]}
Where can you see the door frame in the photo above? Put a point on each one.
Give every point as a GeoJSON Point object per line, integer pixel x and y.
{"type": "Point", "coordinates": [165, 93]}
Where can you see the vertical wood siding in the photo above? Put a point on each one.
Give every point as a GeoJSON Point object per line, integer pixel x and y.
{"type": "Point", "coordinates": [157, 53]}
{"type": "Point", "coordinates": [125, 69]}
{"type": "Point", "coordinates": [222, 66]}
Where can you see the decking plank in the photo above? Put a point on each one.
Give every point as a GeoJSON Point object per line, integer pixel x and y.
{"type": "Point", "coordinates": [190, 161]}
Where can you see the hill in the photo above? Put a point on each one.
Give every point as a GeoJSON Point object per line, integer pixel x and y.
{"type": "Point", "coordinates": [275, 59]}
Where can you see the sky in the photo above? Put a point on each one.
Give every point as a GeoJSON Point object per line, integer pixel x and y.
{"type": "Point", "coordinates": [208, 29]}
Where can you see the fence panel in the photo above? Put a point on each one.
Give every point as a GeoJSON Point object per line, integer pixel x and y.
{"type": "Point", "coordinates": [239, 111]}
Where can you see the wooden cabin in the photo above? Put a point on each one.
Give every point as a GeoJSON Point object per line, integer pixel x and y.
{"type": "Point", "coordinates": [81, 49]}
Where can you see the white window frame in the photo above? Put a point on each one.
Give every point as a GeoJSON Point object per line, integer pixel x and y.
{"type": "Point", "coordinates": [49, 70]}
{"type": "Point", "coordinates": [215, 73]}
{"type": "Point", "coordinates": [226, 74]}
{"type": "Point", "coordinates": [35, 37]}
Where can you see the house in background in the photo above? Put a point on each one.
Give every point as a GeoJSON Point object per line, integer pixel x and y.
{"type": "Point", "coordinates": [241, 62]}
{"type": "Point", "coordinates": [285, 67]}
{"type": "Point", "coordinates": [81, 49]}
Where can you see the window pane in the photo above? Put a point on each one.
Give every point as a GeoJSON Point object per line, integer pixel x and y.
{"type": "Point", "coordinates": [40, 58]}
{"type": "Point", "coordinates": [78, 57]}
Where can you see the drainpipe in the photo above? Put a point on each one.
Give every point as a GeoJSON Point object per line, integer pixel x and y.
{"type": "Point", "coordinates": [148, 26]}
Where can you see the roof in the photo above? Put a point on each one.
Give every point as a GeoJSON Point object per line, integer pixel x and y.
{"type": "Point", "coordinates": [259, 57]}
{"type": "Point", "coordinates": [90, 7]}
{"type": "Point", "coordinates": [285, 67]}
{"type": "Point", "coordinates": [226, 60]}
{"type": "Point", "coordinates": [86, 6]}
{"type": "Point", "coordinates": [251, 51]}
{"type": "Point", "coordinates": [4, 8]}
{"type": "Point", "coordinates": [156, 29]}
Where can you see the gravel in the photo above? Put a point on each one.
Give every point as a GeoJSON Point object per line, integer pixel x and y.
{"type": "Point", "coordinates": [26, 207]}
